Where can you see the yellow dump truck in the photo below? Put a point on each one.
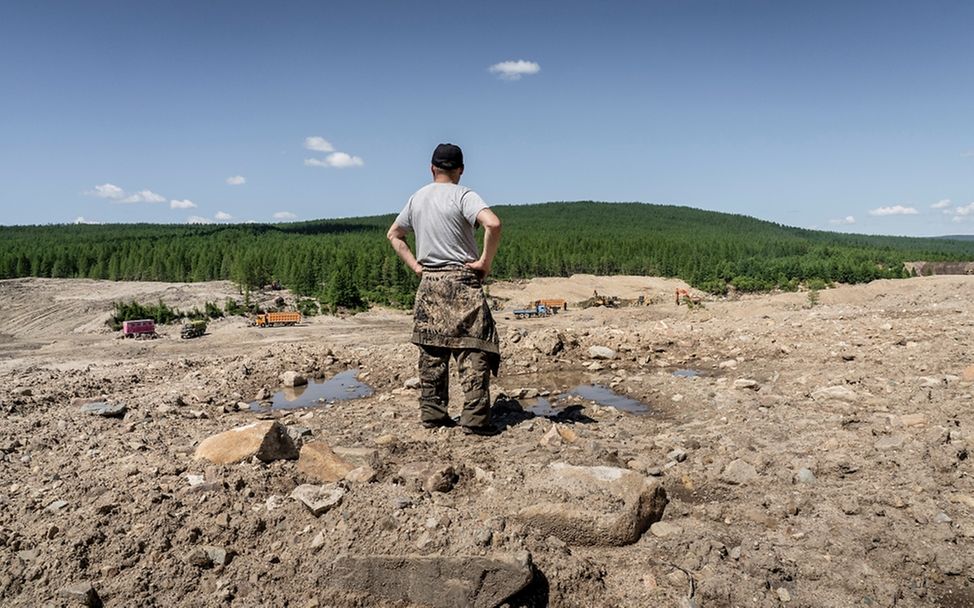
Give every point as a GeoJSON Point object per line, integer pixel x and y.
{"type": "Point", "coordinates": [271, 319]}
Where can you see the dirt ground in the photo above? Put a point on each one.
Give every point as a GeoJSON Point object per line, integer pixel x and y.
{"type": "Point", "coordinates": [812, 453]}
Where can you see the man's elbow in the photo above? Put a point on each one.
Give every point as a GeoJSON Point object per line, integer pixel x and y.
{"type": "Point", "coordinates": [493, 224]}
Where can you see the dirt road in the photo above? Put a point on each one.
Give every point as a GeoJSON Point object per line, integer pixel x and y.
{"type": "Point", "coordinates": [811, 455]}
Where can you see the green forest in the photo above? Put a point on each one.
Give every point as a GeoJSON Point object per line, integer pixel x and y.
{"type": "Point", "coordinates": [348, 262]}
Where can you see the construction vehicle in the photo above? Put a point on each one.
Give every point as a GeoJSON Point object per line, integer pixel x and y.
{"type": "Point", "coordinates": [193, 329]}
{"type": "Point", "coordinates": [537, 309]}
{"type": "Point", "coordinates": [139, 328]}
{"type": "Point", "coordinates": [685, 297]}
{"type": "Point", "coordinates": [273, 319]}
{"type": "Point", "coordinates": [555, 305]}
{"type": "Point", "coordinates": [607, 301]}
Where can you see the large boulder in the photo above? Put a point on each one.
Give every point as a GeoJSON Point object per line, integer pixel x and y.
{"type": "Point", "coordinates": [319, 499]}
{"type": "Point", "coordinates": [601, 352]}
{"type": "Point", "coordinates": [547, 342]}
{"type": "Point", "coordinates": [437, 581]}
{"type": "Point", "coordinates": [592, 505]}
{"type": "Point", "coordinates": [320, 463]}
{"type": "Point", "coordinates": [267, 441]}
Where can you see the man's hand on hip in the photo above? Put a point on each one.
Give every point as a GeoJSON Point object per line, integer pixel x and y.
{"type": "Point", "coordinates": [481, 267]}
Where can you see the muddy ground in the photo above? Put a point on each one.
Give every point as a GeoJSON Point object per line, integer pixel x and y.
{"type": "Point", "coordinates": [813, 454]}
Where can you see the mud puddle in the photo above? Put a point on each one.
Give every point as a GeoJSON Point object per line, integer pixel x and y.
{"type": "Point", "coordinates": [343, 386]}
{"type": "Point", "coordinates": [597, 393]}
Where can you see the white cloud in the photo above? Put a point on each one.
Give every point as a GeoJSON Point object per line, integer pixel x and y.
{"type": "Point", "coordinates": [81, 220]}
{"type": "Point", "coordinates": [514, 70]}
{"type": "Point", "coordinates": [968, 154]}
{"type": "Point", "coordinates": [183, 204]}
{"type": "Point", "coordinates": [197, 219]}
{"type": "Point", "coordinates": [941, 204]}
{"type": "Point", "coordinates": [109, 191]}
{"type": "Point", "coordinates": [894, 210]}
{"type": "Point", "coordinates": [237, 180]}
{"type": "Point", "coordinates": [337, 160]}
{"type": "Point", "coordinates": [144, 196]}
{"type": "Point", "coordinates": [284, 215]}
{"type": "Point", "coordinates": [966, 210]}
{"type": "Point", "coordinates": [318, 144]}
{"type": "Point", "coordinates": [223, 216]}
{"type": "Point", "coordinates": [845, 221]}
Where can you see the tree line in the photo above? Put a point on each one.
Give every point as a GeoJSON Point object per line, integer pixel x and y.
{"type": "Point", "coordinates": [349, 263]}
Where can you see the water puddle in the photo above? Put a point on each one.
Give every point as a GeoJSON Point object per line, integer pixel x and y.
{"type": "Point", "coordinates": [344, 386]}
{"type": "Point", "coordinates": [602, 395]}
{"type": "Point", "coordinates": [687, 373]}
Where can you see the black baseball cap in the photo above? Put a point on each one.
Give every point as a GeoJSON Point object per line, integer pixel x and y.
{"type": "Point", "coordinates": [448, 156]}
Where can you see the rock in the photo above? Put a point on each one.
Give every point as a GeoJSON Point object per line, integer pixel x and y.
{"type": "Point", "coordinates": [889, 442]}
{"type": "Point", "coordinates": [298, 433]}
{"type": "Point", "coordinates": [105, 410]}
{"type": "Point", "coordinates": [805, 476]}
{"type": "Point", "coordinates": [363, 474]}
{"type": "Point", "coordinates": [738, 472]}
{"type": "Point", "coordinates": [218, 555]}
{"type": "Point", "coordinates": [728, 364]}
{"type": "Point", "coordinates": [547, 343]}
{"type": "Point", "coordinates": [412, 383]}
{"type": "Point", "coordinates": [292, 379]}
{"type": "Point", "coordinates": [267, 441]}
{"type": "Point", "coordinates": [320, 463]}
{"type": "Point", "coordinates": [557, 435]}
{"type": "Point", "coordinates": [663, 529]}
{"type": "Point", "coordinates": [529, 393]}
{"type": "Point", "coordinates": [601, 352]}
{"type": "Point", "coordinates": [441, 479]}
{"type": "Point", "coordinates": [968, 374]}
{"type": "Point", "coordinates": [913, 420]}
{"type": "Point", "coordinates": [387, 439]}
{"type": "Point", "coordinates": [839, 393]}
{"type": "Point", "coordinates": [592, 505]}
{"type": "Point", "coordinates": [55, 506]}
{"type": "Point", "coordinates": [428, 476]}
{"type": "Point", "coordinates": [784, 595]}
{"type": "Point", "coordinates": [318, 499]}
{"type": "Point", "coordinates": [358, 456]}
{"type": "Point", "coordinates": [942, 518]}
{"type": "Point", "coordinates": [436, 581]}
{"type": "Point", "coordinates": [82, 593]}
{"type": "Point", "coordinates": [263, 394]}
{"type": "Point", "coordinates": [677, 455]}
{"type": "Point", "coordinates": [746, 383]}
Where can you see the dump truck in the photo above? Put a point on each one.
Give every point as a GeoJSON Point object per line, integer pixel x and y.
{"type": "Point", "coordinates": [139, 328]}
{"type": "Point", "coordinates": [193, 329]}
{"type": "Point", "coordinates": [537, 309]}
{"type": "Point", "coordinates": [555, 305]}
{"type": "Point", "coordinates": [272, 319]}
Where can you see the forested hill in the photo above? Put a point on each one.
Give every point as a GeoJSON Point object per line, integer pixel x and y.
{"type": "Point", "coordinates": [709, 250]}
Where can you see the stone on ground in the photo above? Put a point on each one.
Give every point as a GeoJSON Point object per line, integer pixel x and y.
{"type": "Point", "coordinates": [105, 410]}
{"type": "Point", "coordinates": [81, 593]}
{"type": "Point", "coordinates": [592, 505]}
{"type": "Point", "coordinates": [318, 499]}
{"type": "Point", "coordinates": [267, 441]}
{"type": "Point", "coordinates": [292, 379]}
{"type": "Point", "coordinates": [601, 352]}
{"type": "Point", "coordinates": [436, 581]}
{"type": "Point", "coordinates": [839, 393]}
{"type": "Point", "coordinates": [320, 463]}
{"type": "Point", "coordinates": [739, 472]}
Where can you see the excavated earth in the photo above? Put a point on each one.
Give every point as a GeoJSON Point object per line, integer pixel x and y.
{"type": "Point", "coordinates": [812, 453]}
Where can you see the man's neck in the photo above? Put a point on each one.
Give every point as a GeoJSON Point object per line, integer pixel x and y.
{"type": "Point", "coordinates": [444, 179]}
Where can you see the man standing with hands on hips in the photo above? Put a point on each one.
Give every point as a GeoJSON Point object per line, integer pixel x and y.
{"type": "Point", "coordinates": [452, 317]}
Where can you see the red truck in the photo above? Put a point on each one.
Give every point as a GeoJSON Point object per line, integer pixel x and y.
{"type": "Point", "coordinates": [141, 328]}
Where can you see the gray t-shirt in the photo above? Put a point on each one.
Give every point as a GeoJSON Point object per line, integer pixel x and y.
{"type": "Point", "coordinates": [444, 218]}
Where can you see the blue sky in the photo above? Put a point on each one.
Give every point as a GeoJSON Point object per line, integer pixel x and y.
{"type": "Point", "coordinates": [852, 116]}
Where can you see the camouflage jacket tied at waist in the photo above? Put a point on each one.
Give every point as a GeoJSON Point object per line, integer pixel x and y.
{"type": "Point", "coordinates": [452, 311]}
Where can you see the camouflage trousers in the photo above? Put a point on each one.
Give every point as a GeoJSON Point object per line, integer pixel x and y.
{"type": "Point", "coordinates": [434, 376]}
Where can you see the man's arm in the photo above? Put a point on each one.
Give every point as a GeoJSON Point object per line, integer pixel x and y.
{"type": "Point", "coordinates": [397, 237]}
{"type": "Point", "coordinates": [492, 239]}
